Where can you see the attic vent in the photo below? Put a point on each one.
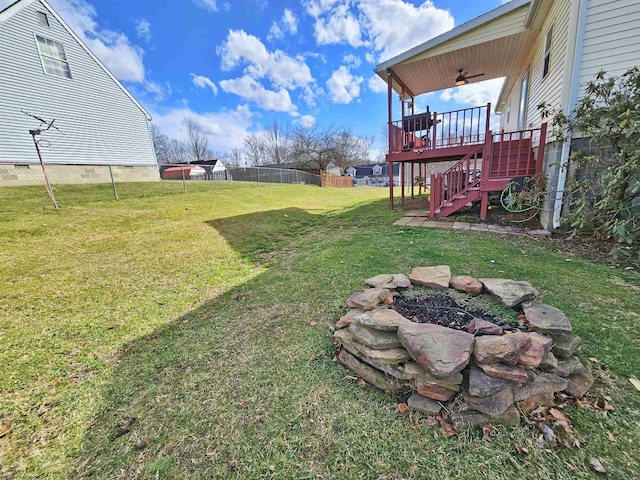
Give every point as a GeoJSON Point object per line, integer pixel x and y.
{"type": "Point", "coordinates": [43, 19]}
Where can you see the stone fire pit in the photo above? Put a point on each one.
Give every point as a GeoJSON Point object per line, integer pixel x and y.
{"type": "Point", "coordinates": [491, 370]}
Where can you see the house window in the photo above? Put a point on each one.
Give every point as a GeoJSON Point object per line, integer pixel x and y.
{"type": "Point", "coordinates": [43, 19]}
{"type": "Point", "coordinates": [54, 60]}
{"type": "Point", "coordinates": [524, 99]}
{"type": "Point", "coordinates": [547, 53]}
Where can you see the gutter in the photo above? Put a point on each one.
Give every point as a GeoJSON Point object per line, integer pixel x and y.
{"type": "Point", "coordinates": [573, 97]}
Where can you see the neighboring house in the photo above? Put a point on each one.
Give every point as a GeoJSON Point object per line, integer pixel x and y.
{"type": "Point", "coordinates": [376, 175]}
{"type": "Point", "coordinates": [46, 70]}
{"type": "Point", "coordinates": [547, 50]}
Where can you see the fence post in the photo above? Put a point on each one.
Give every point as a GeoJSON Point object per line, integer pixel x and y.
{"type": "Point", "coordinates": [113, 182]}
{"type": "Point", "coordinates": [184, 183]}
{"type": "Point", "coordinates": [280, 175]}
{"type": "Point", "coordinates": [258, 169]}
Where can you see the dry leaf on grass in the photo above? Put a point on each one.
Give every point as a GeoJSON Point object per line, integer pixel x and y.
{"type": "Point", "coordinates": [313, 324]}
{"type": "Point", "coordinates": [596, 465]}
{"type": "Point", "coordinates": [635, 382]}
{"type": "Point", "coordinates": [611, 437]}
{"type": "Point", "coordinates": [5, 430]}
{"type": "Point", "coordinates": [521, 450]}
{"type": "Point", "coordinates": [403, 408]}
{"type": "Point", "coordinates": [362, 383]}
{"type": "Point", "coordinates": [431, 421]}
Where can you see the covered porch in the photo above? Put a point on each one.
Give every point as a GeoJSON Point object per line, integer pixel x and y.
{"type": "Point", "coordinates": [485, 48]}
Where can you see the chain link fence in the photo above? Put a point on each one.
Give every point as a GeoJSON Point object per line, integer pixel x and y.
{"type": "Point", "coordinates": [120, 181]}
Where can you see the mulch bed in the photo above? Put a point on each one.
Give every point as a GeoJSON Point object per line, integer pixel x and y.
{"type": "Point", "coordinates": [440, 310]}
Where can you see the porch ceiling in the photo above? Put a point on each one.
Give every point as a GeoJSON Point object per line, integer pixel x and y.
{"type": "Point", "coordinates": [494, 44]}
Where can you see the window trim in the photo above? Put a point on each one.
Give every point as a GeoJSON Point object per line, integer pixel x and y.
{"type": "Point", "coordinates": [39, 15]}
{"type": "Point", "coordinates": [41, 55]}
{"type": "Point", "coordinates": [524, 100]}
{"type": "Point", "coordinates": [546, 59]}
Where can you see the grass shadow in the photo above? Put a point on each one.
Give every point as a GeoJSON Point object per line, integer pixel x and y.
{"type": "Point", "coordinates": [245, 386]}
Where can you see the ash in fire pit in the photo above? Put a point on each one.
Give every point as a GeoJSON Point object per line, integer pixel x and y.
{"type": "Point", "coordinates": [441, 310]}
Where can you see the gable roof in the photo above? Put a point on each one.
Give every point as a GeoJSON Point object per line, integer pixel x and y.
{"type": "Point", "coordinates": [487, 44]}
{"type": "Point", "coordinates": [18, 5]}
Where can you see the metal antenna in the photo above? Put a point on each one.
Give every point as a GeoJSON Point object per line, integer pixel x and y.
{"type": "Point", "coordinates": [38, 131]}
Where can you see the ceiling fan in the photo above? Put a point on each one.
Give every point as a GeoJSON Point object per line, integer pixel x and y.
{"type": "Point", "coordinates": [463, 78]}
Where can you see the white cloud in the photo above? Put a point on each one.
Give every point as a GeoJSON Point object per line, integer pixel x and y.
{"type": "Point", "coordinates": [351, 60]}
{"type": "Point", "coordinates": [389, 26]}
{"type": "Point", "coordinates": [250, 89]}
{"type": "Point", "coordinates": [474, 94]}
{"type": "Point", "coordinates": [156, 89]}
{"type": "Point", "coordinates": [369, 57]}
{"type": "Point", "coordinates": [343, 86]}
{"type": "Point", "coordinates": [204, 82]}
{"type": "Point", "coordinates": [207, 4]}
{"type": "Point", "coordinates": [307, 121]}
{"type": "Point", "coordinates": [282, 70]}
{"type": "Point", "coordinates": [143, 29]}
{"type": "Point", "coordinates": [114, 49]}
{"type": "Point", "coordinates": [290, 20]}
{"type": "Point", "coordinates": [376, 84]}
{"type": "Point", "coordinates": [225, 129]}
{"type": "Point", "coordinates": [335, 23]}
{"type": "Point", "coordinates": [394, 26]}
{"type": "Point", "coordinates": [275, 32]}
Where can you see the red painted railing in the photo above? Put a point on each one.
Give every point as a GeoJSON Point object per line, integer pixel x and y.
{"type": "Point", "coordinates": [502, 157]}
{"type": "Point", "coordinates": [458, 180]}
{"type": "Point", "coordinates": [440, 130]}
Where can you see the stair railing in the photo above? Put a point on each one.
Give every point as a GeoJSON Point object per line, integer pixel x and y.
{"type": "Point", "coordinates": [457, 180]}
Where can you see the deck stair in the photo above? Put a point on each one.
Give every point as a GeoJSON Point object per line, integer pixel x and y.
{"type": "Point", "coordinates": [489, 167]}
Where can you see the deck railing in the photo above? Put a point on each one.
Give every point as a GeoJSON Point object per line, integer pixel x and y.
{"type": "Point", "coordinates": [515, 154]}
{"type": "Point", "coordinates": [433, 130]}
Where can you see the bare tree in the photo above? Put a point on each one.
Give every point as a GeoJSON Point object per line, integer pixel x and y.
{"type": "Point", "coordinates": [160, 144]}
{"type": "Point", "coordinates": [323, 147]}
{"type": "Point", "coordinates": [177, 151]}
{"type": "Point", "coordinates": [254, 152]}
{"type": "Point", "coordinates": [197, 142]}
{"type": "Point", "coordinates": [233, 158]}
{"type": "Point", "coordinates": [276, 143]}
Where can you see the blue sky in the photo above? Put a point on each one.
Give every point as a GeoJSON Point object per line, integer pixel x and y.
{"type": "Point", "coordinates": [236, 65]}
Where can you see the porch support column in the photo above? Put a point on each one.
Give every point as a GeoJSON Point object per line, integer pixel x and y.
{"type": "Point", "coordinates": [483, 205]}
{"type": "Point", "coordinates": [390, 164]}
{"type": "Point", "coordinates": [402, 175]}
{"type": "Point", "coordinates": [412, 177]}
{"type": "Point", "coordinates": [390, 134]}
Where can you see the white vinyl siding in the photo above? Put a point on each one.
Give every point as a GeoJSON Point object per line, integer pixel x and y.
{"type": "Point", "coordinates": [547, 89]}
{"type": "Point", "coordinates": [611, 39]}
{"type": "Point", "coordinates": [99, 121]}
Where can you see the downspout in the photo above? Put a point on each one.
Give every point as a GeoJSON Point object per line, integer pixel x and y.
{"type": "Point", "coordinates": [573, 97]}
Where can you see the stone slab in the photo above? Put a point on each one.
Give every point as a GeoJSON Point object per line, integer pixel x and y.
{"type": "Point", "coordinates": [482, 385]}
{"type": "Point", "coordinates": [374, 338]}
{"type": "Point", "coordinates": [367, 299]}
{"type": "Point", "coordinates": [513, 373]}
{"type": "Point", "coordinates": [510, 292]}
{"type": "Point", "coordinates": [368, 373]}
{"type": "Point", "coordinates": [539, 383]}
{"type": "Point", "coordinates": [492, 405]}
{"type": "Point", "coordinates": [435, 277]}
{"type": "Point", "coordinates": [423, 404]}
{"type": "Point", "coordinates": [548, 319]}
{"type": "Point", "coordinates": [382, 318]}
{"type": "Point", "coordinates": [539, 347]}
{"type": "Point", "coordinates": [503, 348]}
{"type": "Point", "coordinates": [467, 284]}
{"type": "Point", "coordinates": [441, 351]}
{"type": "Point", "coordinates": [469, 418]}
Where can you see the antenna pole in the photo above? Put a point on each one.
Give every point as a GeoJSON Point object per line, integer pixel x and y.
{"type": "Point", "coordinates": [44, 171]}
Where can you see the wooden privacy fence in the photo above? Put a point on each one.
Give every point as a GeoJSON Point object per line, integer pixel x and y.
{"type": "Point", "coordinates": [333, 180]}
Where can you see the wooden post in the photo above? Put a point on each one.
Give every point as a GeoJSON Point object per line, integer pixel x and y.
{"type": "Point", "coordinates": [432, 197]}
{"type": "Point", "coordinates": [184, 183]}
{"type": "Point", "coordinates": [412, 177]}
{"type": "Point", "coordinates": [390, 164]}
{"type": "Point", "coordinates": [402, 174]}
{"type": "Point", "coordinates": [483, 205]}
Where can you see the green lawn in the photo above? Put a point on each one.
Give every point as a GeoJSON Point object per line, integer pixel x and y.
{"type": "Point", "coordinates": [168, 335]}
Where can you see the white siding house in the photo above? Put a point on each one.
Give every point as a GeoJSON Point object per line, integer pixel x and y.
{"type": "Point", "coordinates": [46, 70]}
